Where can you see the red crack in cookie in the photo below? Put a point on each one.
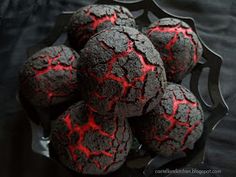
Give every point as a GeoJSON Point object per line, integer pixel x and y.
{"type": "Point", "coordinates": [122, 71]}
{"type": "Point", "coordinates": [49, 77]}
{"type": "Point", "coordinates": [174, 125]}
{"type": "Point", "coordinates": [178, 45]}
{"type": "Point", "coordinates": [93, 18]}
{"type": "Point", "coordinates": [89, 143]}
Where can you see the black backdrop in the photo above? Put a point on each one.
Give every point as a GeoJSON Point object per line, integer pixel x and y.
{"type": "Point", "coordinates": [25, 22]}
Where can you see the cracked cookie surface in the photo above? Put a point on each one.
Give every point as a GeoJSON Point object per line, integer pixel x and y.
{"type": "Point", "coordinates": [89, 143]}
{"type": "Point", "coordinates": [49, 77]}
{"type": "Point", "coordinates": [174, 125]}
{"type": "Point", "coordinates": [91, 19]}
{"type": "Point", "coordinates": [179, 46]}
{"type": "Point", "coordinates": [122, 71]}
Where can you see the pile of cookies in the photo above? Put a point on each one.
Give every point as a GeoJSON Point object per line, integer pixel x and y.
{"type": "Point", "coordinates": [112, 82]}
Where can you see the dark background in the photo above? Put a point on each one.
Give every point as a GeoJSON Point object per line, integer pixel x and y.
{"type": "Point", "coordinates": [23, 23]}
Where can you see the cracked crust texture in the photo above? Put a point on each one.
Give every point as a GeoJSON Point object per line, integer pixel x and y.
{"type": "Point", "coordinates": [49, 77]}
{"type": "Point", "coordinates": [89, 143]}
{"type": "Point", "coordinates": [174, 125]}
{"type": "Point", "coordinates": [179, 46]}
{"type": "Point", "coordinates": [91, 19]}
{"type": "Point", "coordinates": [122, 71]}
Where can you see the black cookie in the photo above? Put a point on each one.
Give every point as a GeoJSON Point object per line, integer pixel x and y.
{"type": "Point", "coordinates": [93, 18]}
{"type": "Point", "coordinates": [49, 77]}
{"type": "Point", "coordinates": [122, 70]}
{"type": "Point", "coordinates": [178, 45]}
{"type": "Point", "coordinates": [174, 125]}
{"type": "Point", "coordinates": [89, 143]}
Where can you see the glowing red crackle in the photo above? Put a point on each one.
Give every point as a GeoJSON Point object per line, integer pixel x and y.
{"type": "Point", "coordinates": [146, 68]}
{"type": "Point", "coordinates": [51, 95]}
{"type": "Point", "coordinates": [176, 30]}
{"type": "Point", "coordinates": [81, 130]}
{"type": "Point", "coordinates": [189, 131]}
{"type": "Point", "coordinates": [125, 148]}
{"type": "Point", "coordinates": [173, 121]}
{"type": "Point", "coordinates": [126, 85]}
{"type": "Point", "coordinates": [55, 67]}
{"type": "Point", "coordinates": [96, 21]}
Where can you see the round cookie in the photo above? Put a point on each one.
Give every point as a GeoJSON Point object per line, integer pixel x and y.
{"type": "Point", "coordinates": [91, 19]}
{"type": "Point", "coordinates": [89, 143]}
{"type": "Point", "coordinates": [49, 77]}
{"type": "Point", "coordinates": [122, 71]}
{"type": "Point", "coordinates": [174, 125]}
{"type": "Point", "coordinates": [179, 46]}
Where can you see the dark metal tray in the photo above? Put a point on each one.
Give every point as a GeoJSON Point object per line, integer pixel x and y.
{"type": "Point", "coordinates": [140, 163]}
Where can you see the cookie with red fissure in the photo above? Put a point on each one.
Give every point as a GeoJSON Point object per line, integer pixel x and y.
{"type": "Point", "coordinates": [49, 77]}
{"type": "Point", "coordinates": [174, 125]}
{"type": "Point", "coordinates": [91, 19]}
{"type": "Point", "coordinates": [122, 71]}
{"type": "Point", "coordinates": [89, 143]}
{"type": "Point", "coordinates": [178, 44]}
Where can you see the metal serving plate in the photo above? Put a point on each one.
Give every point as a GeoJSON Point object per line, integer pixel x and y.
{"type": "Point", "coordinates": [140, 163]}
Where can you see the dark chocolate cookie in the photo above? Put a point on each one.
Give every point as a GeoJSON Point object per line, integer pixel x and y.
{"type": "Point", "coordinates": [49, 77]}
{"type": "Point", "coordinates": [91, 19]}
{"type": "Point", "coordinates": [174, 125]}
{"type": "Point", "coordinates": [89, 143]}
{"type": "Point", "coordinates": [121, 70]}
{"type": "Point", "coordinates": [179, 46]}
